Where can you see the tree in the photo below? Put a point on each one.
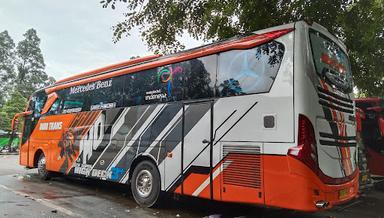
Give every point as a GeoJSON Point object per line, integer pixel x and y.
{"type": "Point", "coordinates": [7, 57]}
{"type": "Point", "coordinates": [14, 105]}
{"type": "Point", "coordinates": [30, 65]}
{"type": "Point", "coordinates": [162, 22]}
{"type": "Point", "coordinates": [21, 73]}
{"type": "Point", "coordinates": [365, 40]}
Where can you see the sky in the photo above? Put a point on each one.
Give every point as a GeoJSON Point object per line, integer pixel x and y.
{"type": "Point", "coordinates": [76, 36]}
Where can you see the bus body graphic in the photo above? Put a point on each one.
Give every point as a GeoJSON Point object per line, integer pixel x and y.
{"type": "Point", "coordinates": [263, 119]}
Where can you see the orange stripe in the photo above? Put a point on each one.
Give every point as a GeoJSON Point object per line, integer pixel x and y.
{"type": "Point", "coordinates": [83, 119]}
{"type": "Point", "coordinates": [92, 120]}
{"type": "Point", "coordinates": [78, 119]}
{"type": "Point", "coordinates": [190, 184]}
{"type": "Point", "coordinates": [85, 125]}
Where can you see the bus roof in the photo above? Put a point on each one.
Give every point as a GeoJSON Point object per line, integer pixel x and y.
{"type": "Point", "coordinates": [108, 68]}
{"type": "Point", "coordinates": [148, 62]}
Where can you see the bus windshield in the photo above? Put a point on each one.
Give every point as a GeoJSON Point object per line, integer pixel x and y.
{"type": "Point", "coordinates": [331, 61]}
{"type": "Point", "coordinates": [37, 103]}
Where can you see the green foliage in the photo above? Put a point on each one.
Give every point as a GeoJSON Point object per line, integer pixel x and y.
{"type": "Point", "coordinates": [15, 104]}
{"type": "Point", "coordinates": [30, 65]}
{"type": "Point", "coordinates": [358, 23]}
{"type": "Point", "coordinates": [21, 74]}
{"type": "Point", "coordinates": [364, 30]}
{"type": "Point", "coordinates": [7, 57]}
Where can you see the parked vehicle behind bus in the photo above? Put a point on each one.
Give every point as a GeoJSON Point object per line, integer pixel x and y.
{"type": "Point", "coordinates": [373, 133]}
{"type": "Point", "coordinates": [264, 119]}
{"type": "Point", "coordinates": [365, 181]}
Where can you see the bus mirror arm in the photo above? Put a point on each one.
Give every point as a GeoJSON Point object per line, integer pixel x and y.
{"type": "Point", "coordinates": [16, 117]}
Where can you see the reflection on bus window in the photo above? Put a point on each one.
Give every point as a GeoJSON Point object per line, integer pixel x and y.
{"type": "Point", "coordinates": [192, 79]}
{"type": "Point", "coordinates": [249, 71]}
{"type": "Point", "coordinates": [201, 78]}
{"type": "Point", "coordinates": [54, 108]}
{"type": "Point", "coordinates": [107, 94]}
{"type": "Point", "coordinates": [331, 61]}
{"type": "Point", "coordinates": [38, 102]}
{"type": "Point", "coordinates": [73, 103]}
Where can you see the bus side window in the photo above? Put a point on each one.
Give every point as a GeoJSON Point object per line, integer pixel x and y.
{"type": "Point", "coordinates": [248, 71]}
{"type": "Point", "coordinates": [140, 88]}
{"type": "Point", "coordinates": [74, 103]}
{"type": "Point", "coordinates": [55, 108]}
{"type": "Point", "coordinates": [201, 78]}
{"type": "Point", "coordinates": [171, 80]}
{"type": "Point", "coordinates": [109, 93]}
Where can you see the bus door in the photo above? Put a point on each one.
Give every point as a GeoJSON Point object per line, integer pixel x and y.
{"type": "Point", "coordinates": [197, 150]}
{"type": "Point", "coordinates": [24, 145]}
{"type": "Point", "coordinates": [30, 122]}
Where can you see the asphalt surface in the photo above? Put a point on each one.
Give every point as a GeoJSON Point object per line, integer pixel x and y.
{"type": "Point", "coordinates": [22, 194]}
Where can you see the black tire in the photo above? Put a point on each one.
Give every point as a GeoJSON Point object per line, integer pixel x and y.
{"type": "Point", "coordinates": [143, 174]}
{"type": "Point", "coordinates": [42, 171]}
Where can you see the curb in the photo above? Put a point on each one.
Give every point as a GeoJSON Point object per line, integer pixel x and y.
{"type": "Point", "coordinates": [6, 153]}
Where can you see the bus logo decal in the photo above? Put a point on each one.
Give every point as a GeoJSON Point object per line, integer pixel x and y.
{"type": "Point", "coordinates": [166, 75]}
{"type": "Point", "coordinates": [90, 86]}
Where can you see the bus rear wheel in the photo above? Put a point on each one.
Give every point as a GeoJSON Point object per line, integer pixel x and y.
{"type": "Point", "coordinates": [145, 184]}
{"type": "Point", "coordinates": [42, 171]}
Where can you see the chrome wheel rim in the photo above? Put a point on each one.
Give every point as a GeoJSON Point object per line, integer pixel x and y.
{"type": "Point", "coordinates": [41, 166]}
{"type": "Point", "coordinates": [144, 183]}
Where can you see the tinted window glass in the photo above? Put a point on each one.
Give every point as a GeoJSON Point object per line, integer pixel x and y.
{"type": "Point", "coordinates": [193, 79]}
{"type": "Point", "coordinates": [171, 80]}
{"type": "Point", "coordinates": [139, 85]}
{"type": "Point", "coordinates": [248, 71]}
{"type": "Point", "coordinates": [38, 101]}
{"type": "Point", "coordinates": [55, 108]}
{"type": "Point", "coordinates": [74, 102]}
{"type": "Point", "coordinates": [201, 78]}
{"type": "Point", "coordinates": [331, 61]}
{"type": "Point", "coordinates": [107, 94]}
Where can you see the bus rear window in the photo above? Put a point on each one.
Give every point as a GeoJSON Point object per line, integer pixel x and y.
{"type": "Point", "coordinates": [331, 61]}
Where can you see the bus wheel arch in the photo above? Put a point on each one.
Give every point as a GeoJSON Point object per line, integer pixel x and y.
{"type": "Point", "coordinates": [145, 181]}
{"type": "Point", "coordinates": [40, 163]}
{"type": "Point", "coordinates": [36, 157]}
{"type": "Point", "coordinates": [137, 160]}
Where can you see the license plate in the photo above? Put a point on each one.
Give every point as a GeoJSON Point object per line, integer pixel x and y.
{"type": "Point", "coordinates": [343, 193]}
{"type": "Point", "coordinates": [364, 178]}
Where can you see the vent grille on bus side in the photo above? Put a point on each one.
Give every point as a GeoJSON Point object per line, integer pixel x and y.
{"type": "Point", "coordinates": [242, 166]}
{"type": "Point", "coordinates": [334, 101]}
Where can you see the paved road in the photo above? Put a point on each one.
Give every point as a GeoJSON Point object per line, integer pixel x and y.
{"type": "Point", "coordinates": [22, 194]}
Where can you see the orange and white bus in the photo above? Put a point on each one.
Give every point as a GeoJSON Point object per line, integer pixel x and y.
{"type": "Point", "coordinates": [264, 119]}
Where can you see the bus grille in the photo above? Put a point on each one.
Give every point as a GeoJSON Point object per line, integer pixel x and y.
{"type": "Point", "coordinates": [242, 166]}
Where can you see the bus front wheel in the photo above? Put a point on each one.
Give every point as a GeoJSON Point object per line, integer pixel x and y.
{"type": "Point", "coordinates": [145, 184]}
{"type": "Point", "coordinates": [42, 171]}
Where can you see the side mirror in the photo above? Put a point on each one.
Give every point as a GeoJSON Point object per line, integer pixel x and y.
{"type": "Point", "coordinates": [48, 104]}
{"type": "Point", "coordinates": [15, 119]}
